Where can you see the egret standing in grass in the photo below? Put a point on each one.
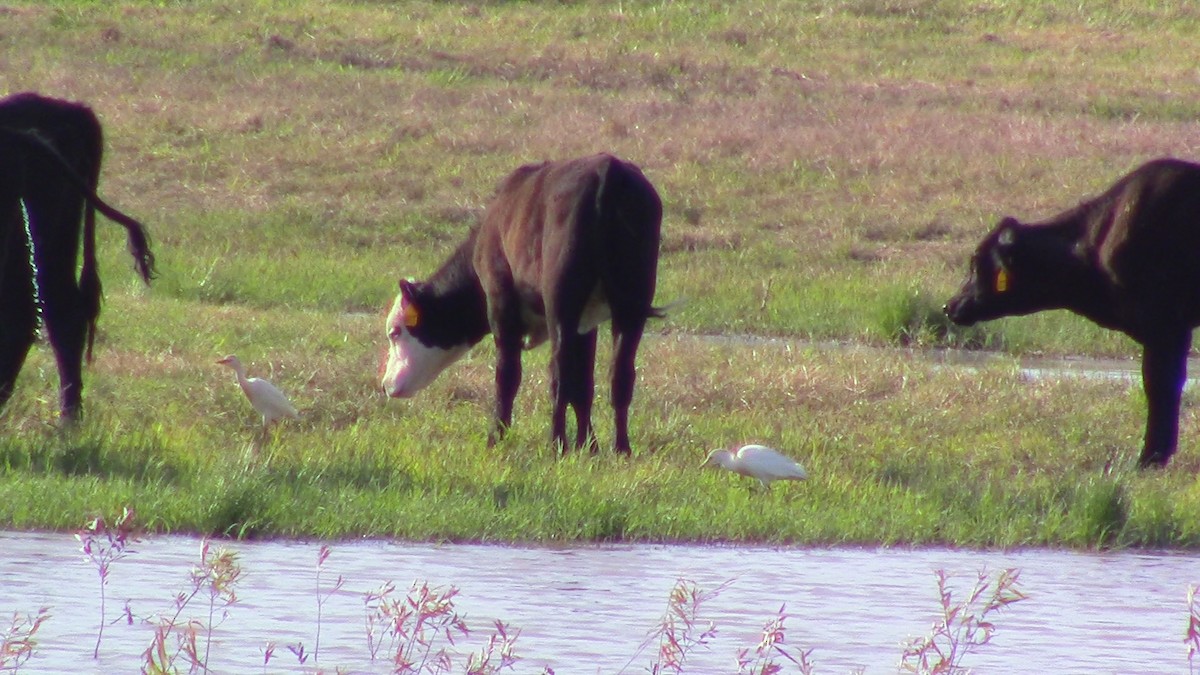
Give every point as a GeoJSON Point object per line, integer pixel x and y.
{"type": "Point", "coordinates": [271, 403]}
{"type": "Point", "coordinates": [758, 461]}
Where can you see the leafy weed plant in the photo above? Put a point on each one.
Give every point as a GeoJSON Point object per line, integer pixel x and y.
{"type": "Point", "coordinates": [680, 632]}
{"type": "Point", "coordinates": [410, 631]}
{"type": "Point", "coordinates": [19, 640]}
{"type": "Point", "coordinates": [1192, 637]}
{"type": "Point", "coordinates": [761, 660]}
{"type": "Point", "coordinates": [963, 625]}
{"type": "Point", "coordinates": [103, 544]}
{"type": "Point", "coordinates": [188, 641]}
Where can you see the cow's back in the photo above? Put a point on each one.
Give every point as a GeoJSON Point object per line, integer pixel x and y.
{"type": "Point", "coordinates": [594, 218]}
{"type": "Point", "coordinates": [72, 128]}
{"type": "Point", "coordinates": [1147, 232]}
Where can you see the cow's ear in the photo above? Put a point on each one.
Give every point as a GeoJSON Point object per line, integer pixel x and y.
{"type": "Point", "coordinates": [412, 316]}
{"type": "Point", "coordinates": [1008, 232]}
{"type": "Point", "coordinates": [408, 292]}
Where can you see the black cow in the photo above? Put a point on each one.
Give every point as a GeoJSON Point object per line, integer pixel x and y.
{"type": "Point", "coordinates": [1128, 260]}
{"type": "Point", "coordinates": [562, 247]}
{"type": "Point", "coordinates": [50, 153]}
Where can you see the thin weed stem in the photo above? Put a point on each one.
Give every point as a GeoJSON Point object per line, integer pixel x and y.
{"type": "Point", "coordinates": [102, 545]}
{"type": "Point", "coordinates": [322, 556]}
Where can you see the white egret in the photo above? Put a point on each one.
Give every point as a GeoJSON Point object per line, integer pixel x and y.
{"type": "Point", "coordinates": [271, 403]}
{"type": "Point", "coordinates": [758, 461]}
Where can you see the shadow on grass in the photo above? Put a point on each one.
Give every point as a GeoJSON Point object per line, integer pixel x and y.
{"type": "Point", "coordinates": [140, 459]}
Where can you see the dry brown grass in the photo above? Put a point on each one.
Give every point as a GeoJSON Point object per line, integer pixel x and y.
{"type": "Point", "coordinates": [379, 111]}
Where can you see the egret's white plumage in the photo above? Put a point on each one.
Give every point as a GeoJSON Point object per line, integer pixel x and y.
{"type": "Point", "coordinates": [758, 461]}
{"type": "Point", "coordinates": [271, 403]}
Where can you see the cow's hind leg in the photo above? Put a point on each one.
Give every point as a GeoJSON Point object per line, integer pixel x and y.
{"type": "Point", "coordinates": [1164, 370]}
{"type": "Point", "coordinates": [562, 356]}
{"type": "Point", "coordinates": [66, 324]}
{"type": "Point", "coordinates": [17, 333]}
{"type": "Point", "coordinates": [626, 339]}
{"type": "Point", "coordinates": [63, 309]}
{"type": "Point", "coordinates": [18, 314]}
{"type": "Point", "coordinates": [54, 224]}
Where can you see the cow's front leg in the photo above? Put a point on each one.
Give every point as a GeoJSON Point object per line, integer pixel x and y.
{"type": "Point", "coordinates": [583, 389]}
{"type": "Point", "coordinates": [561, 356]}
{"type": "Point", "coordinates": [572, 383]}
{"type": "Point", "coordinates": [1164, 370]}
{"type": "Point", "coordinates": [508, 381]}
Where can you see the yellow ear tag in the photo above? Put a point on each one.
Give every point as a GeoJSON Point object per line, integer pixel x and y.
{"type": "Point", "coordinates": [411, 317]}
{"type": "Point", "coordinates": [1002, 280]}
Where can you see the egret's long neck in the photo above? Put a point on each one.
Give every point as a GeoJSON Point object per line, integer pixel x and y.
{"type": "Point", "coordinates": [240, 372]}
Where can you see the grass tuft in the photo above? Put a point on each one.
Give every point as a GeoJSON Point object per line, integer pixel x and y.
{"type": "Point", "coordinates": [1105, 511]}
{"type": "Point", "coordinates": [916, 319]}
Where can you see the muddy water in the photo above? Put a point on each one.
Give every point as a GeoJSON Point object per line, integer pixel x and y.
{"type": "Point", "coordinates": [587, 610]}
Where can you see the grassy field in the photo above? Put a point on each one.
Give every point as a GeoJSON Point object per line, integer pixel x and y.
{"type": "Point", "coordinates": [826, 169]}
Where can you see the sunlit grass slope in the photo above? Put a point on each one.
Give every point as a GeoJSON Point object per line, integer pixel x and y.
{"type": "Point", "coordinates": [826, 167]}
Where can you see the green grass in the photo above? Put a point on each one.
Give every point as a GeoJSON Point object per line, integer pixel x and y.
{"type": "Point", "coordinates": [826, 168]}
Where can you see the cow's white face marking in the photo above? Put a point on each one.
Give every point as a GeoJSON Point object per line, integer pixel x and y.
{"type": "Point", "coordinates": [411, 365]}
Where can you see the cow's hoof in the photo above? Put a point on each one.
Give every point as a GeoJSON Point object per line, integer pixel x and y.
{"type": "Point", "coordinates": [1154, 461]}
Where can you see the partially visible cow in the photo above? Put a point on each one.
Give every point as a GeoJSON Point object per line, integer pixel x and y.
{"type": "Point", "coordinates": [562, 247]}
{"type": "Point", "coordinates": [1128, 260]}
{"type": "Point", "coordinates": [50, 153]}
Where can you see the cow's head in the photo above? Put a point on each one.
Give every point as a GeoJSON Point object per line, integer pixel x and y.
{"type": "Point", "coordinates": [1002, 280]}
{"type": "Point", "coordinates": [422, 341]}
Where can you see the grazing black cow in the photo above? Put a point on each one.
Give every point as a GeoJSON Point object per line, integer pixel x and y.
{"type": "Point", "coordinates": [50, 153]}
{"type": "Point", "coordinates": [1128, 260]}
{"type": "Point", "coordinates": [562, 247]}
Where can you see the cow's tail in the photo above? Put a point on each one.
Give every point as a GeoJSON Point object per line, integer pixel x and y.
{"type": "Point", "coordinates": [138, 240]}
{"type": "Point", "coordinates": [89, 275]}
